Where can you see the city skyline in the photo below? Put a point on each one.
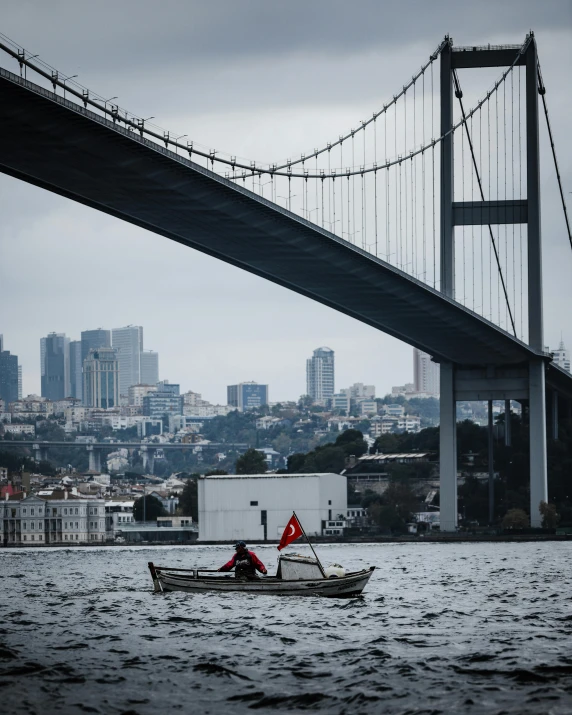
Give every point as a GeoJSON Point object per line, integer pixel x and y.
{"type": "Point", "coordinates": [151, 281]}
{"type": "Point", "coordinates": [561, 353]}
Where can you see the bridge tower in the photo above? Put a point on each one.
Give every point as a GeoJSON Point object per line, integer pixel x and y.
{"type": "Point", "coordinates": [525, 383]}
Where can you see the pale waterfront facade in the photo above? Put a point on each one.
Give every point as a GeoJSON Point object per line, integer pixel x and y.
{"type": "Point", "coordinates": [52, 518]}
{"type": "Point", "coordinates": [252, 507]}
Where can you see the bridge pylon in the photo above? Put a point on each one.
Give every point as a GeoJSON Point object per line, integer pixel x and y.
{"type": "Point", "coordinates": [525, 382]}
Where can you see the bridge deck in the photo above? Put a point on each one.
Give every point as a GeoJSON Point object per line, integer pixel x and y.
{"type": "Point", "coordinates": [58, 145]}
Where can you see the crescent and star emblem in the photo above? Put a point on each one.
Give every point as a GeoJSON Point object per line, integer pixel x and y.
{"type": "Point", "coordinates": [292, 530]}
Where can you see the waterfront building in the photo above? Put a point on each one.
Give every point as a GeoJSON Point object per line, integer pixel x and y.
{"type": "Point", "coordinates": [255, 507]}
{"type": "Point", "coordinates": [247, 395]}
{"type": "Point", "coordinates": [55, 366]}
{"type": "Point", "coordinates": [76, 366]}
{"type": "Point", "coordinates": [426, 375]}
{"type": "Point", "coordinates": [101, 378]}
{"type": "Point", "coordinates": [128, 342]}
{"type": "Point", "coordinates": [51, 517]}
{"type": "Point", "coordinates": [19, 382]}
{"type": "Point", "coordinates": [320, 375]}
{"type": "Point", "coordinates": [149, 367]}
{"type": "Point", "coordinates": [10, 385]}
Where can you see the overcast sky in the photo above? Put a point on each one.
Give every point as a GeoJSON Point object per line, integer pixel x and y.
{"type": "Point", "coordinates": [258, 79]}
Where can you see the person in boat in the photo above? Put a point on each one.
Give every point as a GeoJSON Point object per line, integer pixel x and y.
{"type": "Point", "coordinates": [245, 563]}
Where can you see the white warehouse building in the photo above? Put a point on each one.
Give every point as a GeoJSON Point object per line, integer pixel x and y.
{"type": "Point", "coordinates": [255, 507]}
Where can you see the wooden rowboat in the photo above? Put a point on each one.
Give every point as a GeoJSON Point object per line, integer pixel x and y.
{"type": "Point", "coordinates": [202, 580]}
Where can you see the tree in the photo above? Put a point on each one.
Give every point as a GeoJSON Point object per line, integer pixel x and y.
{"type": "Point", "coordinates": [251, 462]}
{"type": "Point", "coordinates": [550, 516]}
{"type": "Point", "coordinates": [153, 508]}
{"type": "Point", "coordinates": [515, 519]}
{"type": "Point", "coordinates": [189, 500]}
{"type": "Point", "coordinates": [394, 509]}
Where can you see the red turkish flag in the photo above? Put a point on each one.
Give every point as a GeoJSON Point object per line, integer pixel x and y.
{"type": "Point", "coordinates": [292, 532]}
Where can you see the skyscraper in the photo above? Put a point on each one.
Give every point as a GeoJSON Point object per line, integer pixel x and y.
{"type": "Point", "coordinates": [9, 374]}
{"type": "Point", "coordinates": [101, 378]}
{"type": "Point", "coordinates": [92, 339]}
{"type": "Point", "coordinates": [55, 366]}
{"type": "Point", "coordinates": [128, 342]}
{"type": "Point", "coordinates": [320, 375]}
{"type": "Point", "coordinates": [562, 357]}
{"type": "Point", "coordinates": [426, 375]}
{"type": "Point", "coordinates": [149, 367]}
{"type": "Point", "coordinates": [247, 395]}
{"type": "Point", "coordinates": [76, 377]}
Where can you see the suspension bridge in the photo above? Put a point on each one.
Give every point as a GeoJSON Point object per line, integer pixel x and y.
{"type": "Point", "coordinates": [423, 221]}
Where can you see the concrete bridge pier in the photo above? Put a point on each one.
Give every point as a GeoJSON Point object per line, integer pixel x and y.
{"type": "Point", "coordinates": [40, 453]}
{"type": "Point", "coordinates": [148, 457]}
{"type": "Point", "coordinates": [538, 453]}
{"type": "Point", "coordinates": [448, 449]}
{"type": "Point", "coordinates": [94, 458]}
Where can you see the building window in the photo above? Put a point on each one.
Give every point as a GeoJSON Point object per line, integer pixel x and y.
{"type": "Point", "coordinates": [31, 512]}
{"type": "Point", "coordinates": [253, 503]}
{"type": "Point", "coordinates": [25, 537]}
{"type": "Point", "coordinates": [40, 538]}
{"type": "Point", "coordinates": [24, 510]}
{"type": "Point", "coordinates": [330, 503]}
{"type": "Point", "coordinates": [66, 511]}
{"type": "Point", "coordinates": [66, 537]}
{"type": "Point", "coordinates": [76, 511]}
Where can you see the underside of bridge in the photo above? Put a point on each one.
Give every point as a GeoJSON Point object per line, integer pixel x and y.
{"type": "Point", "coordinates": [62, 147]}
{"type": "Point", "coordinates": [59, 146]}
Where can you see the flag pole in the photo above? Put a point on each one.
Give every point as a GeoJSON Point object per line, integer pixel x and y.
{"type": "Point", "coordinates": [310, 545]}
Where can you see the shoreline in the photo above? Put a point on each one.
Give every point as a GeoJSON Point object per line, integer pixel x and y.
{"type": "Point", "coordinates": [433, 539]}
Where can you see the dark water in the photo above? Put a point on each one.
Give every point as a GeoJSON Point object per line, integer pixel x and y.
{"type": "Point", "coordinates": [464, 628]}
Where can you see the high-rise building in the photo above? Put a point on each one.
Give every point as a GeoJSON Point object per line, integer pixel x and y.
{"type": "Point", "coordinates": [76, 376]}
{"type": "Point", "coordinates": [561, 357]}
{"type": "Point", "coordinates": [101, 378]}
{"type": "Point", "coordinates": [247, 395]}
{"type": "Point", "coordinates": [426, 373]}
{"type": "Point", "coordinates": [149, 367]}
{"type": "Point", "coordinates": [19, 382]}
{"type": "Point", "coordinates": [320, 375]}
{"type": "Point", "coordinates": [158, 404]}
{"type": "Point", "coordinates": [55, 366]}
{"type": "Point", "coordinates": [93, 339]}
{"type": "Point", "coordinates": [128, 342]}
{"type": "Point", "coordinates": [10, 373]}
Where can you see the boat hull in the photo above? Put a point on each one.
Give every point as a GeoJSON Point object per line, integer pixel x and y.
{"type": "Point", "coordinates": [344, 587]}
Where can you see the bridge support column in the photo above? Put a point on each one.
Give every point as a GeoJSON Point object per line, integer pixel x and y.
{"type": "Point", "coordinates": [554, 415]}
{"type": "Point", "coordinates": [40, 453]}
{"type": "Point", "coordinates": [490, 447]}
{"type": "Point", "coordinates": [94, 458]}
{"type": "Point", "coordinates": [148, 457]}
{"type": "Point", "coordinates": [507, 424]}
{"type": "Point", "coordinates": [537, 426]}
{"type": "Point", "coordinates": [448, 449]}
